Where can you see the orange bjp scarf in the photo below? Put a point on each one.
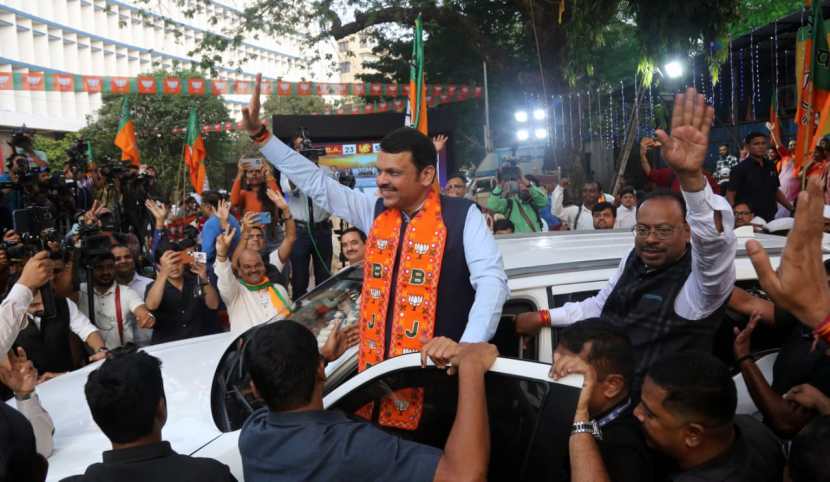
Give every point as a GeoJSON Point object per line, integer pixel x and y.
{"type": "Point", "coordinates": [414, 306]}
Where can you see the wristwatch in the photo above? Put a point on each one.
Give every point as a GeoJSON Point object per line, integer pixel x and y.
{"type": "Point", "coordinates": [590, 427]}
{"type": "Point", "coordinates": [23, 398]}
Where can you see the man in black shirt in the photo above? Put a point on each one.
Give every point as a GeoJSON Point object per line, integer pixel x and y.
{"type": "Point", "coordinates": [181, 298]}
{"type": "Point", "coordinates": [126, 398]}
{"type": "Point", "coordinates": [687, 410]}
{"type": "Point", "coordinates": [755, 181]}
{"type": "Point", "coordinates": [606, 441]}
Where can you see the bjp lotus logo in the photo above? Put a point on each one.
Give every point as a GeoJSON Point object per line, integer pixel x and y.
{"type": "Point", "coordinates": [415, 300]}
{"type": "Point", "coordinates": [383, 243]}
{"type": "Point", "coordinates": [421, 248]}
{"type": "Point", "coordinates": [375, 293]}
{"type": "Point", "coordinates": [401, 404]}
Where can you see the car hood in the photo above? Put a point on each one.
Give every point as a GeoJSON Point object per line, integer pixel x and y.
{"type": "Point", "coordinates": [187, 366]}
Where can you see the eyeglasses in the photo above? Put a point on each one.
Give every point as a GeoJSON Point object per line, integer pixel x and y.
{"type": "Point", "coordinates": [661, 232]}
{"type": "Point", "coordinates": [743, 213]}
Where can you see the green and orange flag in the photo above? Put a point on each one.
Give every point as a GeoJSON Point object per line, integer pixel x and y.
{"type": "Point", "coordinates": [813, 114]}
{"type": "Point", "coordinates": [195, 153]}
{"type": "Point", "coordinates": [125, 139]}
{"type": "Point", "coordinates": [416, 110]}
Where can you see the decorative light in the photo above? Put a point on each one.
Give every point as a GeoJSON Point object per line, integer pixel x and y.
{"type": "Point", "coordinates": [674, 69]}
{"type": "Point", "coordinates": [539, 114]}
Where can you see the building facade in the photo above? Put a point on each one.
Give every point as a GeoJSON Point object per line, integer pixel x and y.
{"type": "Point", "coordinates": [352, 52]}
{"type": "Point", "coordinates": [117, 38]}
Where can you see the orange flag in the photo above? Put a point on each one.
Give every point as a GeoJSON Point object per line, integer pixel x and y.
{"type": "Point", "coordinates": [125, 139]}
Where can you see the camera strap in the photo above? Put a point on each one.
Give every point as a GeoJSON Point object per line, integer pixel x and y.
{"type": "Point", "coordinates": [118, 316]}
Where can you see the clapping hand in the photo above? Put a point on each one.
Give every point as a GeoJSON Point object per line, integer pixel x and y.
{"type": "Point", "coordinates": [223, 242]}
{"type": "Point", "coordinates": [20, 376]}
{"type": "Point", "coordinates": [685, 150]}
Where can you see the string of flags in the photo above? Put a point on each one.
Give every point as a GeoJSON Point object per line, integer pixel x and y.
{"type": "Point", "coordinates": [35, 81]}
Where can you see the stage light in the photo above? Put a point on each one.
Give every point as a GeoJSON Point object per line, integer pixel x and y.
{"type": "Point", "coordinates": [539, 114]}
{"type": "Point", "coordinates": [674, 69]}
{"type": "Point", "coordinates": [540, 133]}
{"type": "Point", "coordinates": [521, 116]}
{"type": "Point", "coordinates": [522, 134]}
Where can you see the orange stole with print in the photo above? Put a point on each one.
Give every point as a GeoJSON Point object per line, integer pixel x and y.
{"type": "Point", "coordinates": [416, 299]}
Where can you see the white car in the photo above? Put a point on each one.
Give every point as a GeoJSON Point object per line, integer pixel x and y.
{"type": "Point", "coordinates": [206, 383]}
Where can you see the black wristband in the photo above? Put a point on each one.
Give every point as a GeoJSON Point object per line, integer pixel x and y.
{"type": "Point", "coordinates": [743, 359]}
{"type": "Point", "coordinates": [257, 137]}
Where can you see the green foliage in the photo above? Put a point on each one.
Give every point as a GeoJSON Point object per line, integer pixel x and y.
{"type": "Point", "coordinates": [753, 14]}
{"type": "Point", "coordinates": [277, 105]}
{"type": "Point", "coordinates": [155, 117]}
{"type": "Point", "coordinates": [55, 148]}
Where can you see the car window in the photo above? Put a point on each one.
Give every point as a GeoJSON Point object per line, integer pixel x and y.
{"type": "Point", "coordinates": [557, 300]}
{"type": "Point", "coordinates": [524, 414]}
{"type": "Point", "coordinates": [338, 298]}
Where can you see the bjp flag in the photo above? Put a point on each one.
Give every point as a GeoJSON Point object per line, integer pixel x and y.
{"type": "Point", "coordinates": [125, 139]}
{"type": "Point", "coordinates": [196, 86]}
{"type": "Point", "coordinates": [416, 115]}
{"type": "Point", "coordinates": [195, 153]}
{"type": "Point", "coordinates": [814, 87]}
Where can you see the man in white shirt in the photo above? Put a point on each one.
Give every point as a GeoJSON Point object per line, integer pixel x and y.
{"type": "Point", "coordinates": [252, 299]}
{"type": "Point", "coordinates": [627, 210]}
{"type": "Point", "coordinates": [125, 274]}
{"type": "Point", "coordinates": [580, 218]}
{"type": "Point", "coordinates": [114, 303]}
{"type": "Point", "coordinates": [668, 294]}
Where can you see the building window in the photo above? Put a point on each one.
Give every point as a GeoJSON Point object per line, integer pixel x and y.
{"type": "Point", "coordinates": [345, 67]}
{"type": "Point", "coordinates": [344, 46]}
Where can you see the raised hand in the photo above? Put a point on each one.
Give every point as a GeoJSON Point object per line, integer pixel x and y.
{"type": "Point", "coordinates": [340, 340]}
{"type": "Point", "coordinates": [439, 142]}
{"type": "Point", "coordinates": [223, 212]}
{"type": "Point", "coordinates": [91, 216]}
{"type": "Point", "coordinates": [800, 283]}
{"type": "Point", "coordinates": [21, 375]}
{"type": "Point", "coordinates": [685, 150]}
{"type": "Point", "coordinates": [159, 211]}
{"type": "Point", "coordinates": [742, 345]}
{"type": "Point", "coordinates": [223, 242]}
{"type": "Point", "coordinates": [250, 114]}
{"type": "Point", "coordinates": [168, 261]}
{"type": "Point", "coordinates": [37, 271]}
{"type": "Point", "coordinates": [277, 198]}
{"type": "Point", "coordinates": [248, 221]}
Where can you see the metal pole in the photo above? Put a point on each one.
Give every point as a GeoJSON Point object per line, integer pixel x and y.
{"type": "Point", "coordinates": [488, 139]}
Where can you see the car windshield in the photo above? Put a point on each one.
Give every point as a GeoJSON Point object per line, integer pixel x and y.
{"type": "Point", "coordinates": [336, 299]}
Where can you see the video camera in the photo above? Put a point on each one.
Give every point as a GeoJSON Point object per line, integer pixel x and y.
{"type": "Point", "coordinates": [34, 225]}
{"type": "Point", "coordinates": [77, 155]}
{"type": "Point", "coordinates": [307, 150]}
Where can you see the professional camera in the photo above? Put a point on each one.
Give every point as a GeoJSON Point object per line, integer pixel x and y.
{"type": "Point", "coordinates": [77, 155]}
{"type": "Point", "coordinates": [34, 224]}
{"type": "Point", "coordinates": [307, 150]}
{"type": "Point", "coordinates": [22, 138]}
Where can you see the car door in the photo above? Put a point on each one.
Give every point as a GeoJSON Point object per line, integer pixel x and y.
{"type": "Point", "coordinates": [529, 414]}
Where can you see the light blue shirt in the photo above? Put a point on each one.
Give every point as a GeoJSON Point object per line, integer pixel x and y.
{"type": "Point", "coordinates": [484, 261]}
{"type": "Point", "coordinates": [298, 202]}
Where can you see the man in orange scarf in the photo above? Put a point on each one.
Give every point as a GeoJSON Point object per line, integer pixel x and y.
{"type": "Point", "coordinates": [433, 275]}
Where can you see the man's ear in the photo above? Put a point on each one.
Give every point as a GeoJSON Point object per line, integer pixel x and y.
{"type": "Point", "coordinates": [613, 385]}
{"type": "Point", "coordinates": [254, 390]}
{"type": "Point", "coordinates": [321, 371]}
{"type": "Point", "coordinates": [161, 412]}
{"type": "Point", "coordinates": [693, 435]}
{"type": "Point", "coordinates": [427, 176]}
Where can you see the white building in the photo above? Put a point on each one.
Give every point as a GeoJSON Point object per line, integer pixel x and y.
{"type": "Point", "coordinates": [117, 38]}
{"type": "Point", "coordinates": [353, 52]}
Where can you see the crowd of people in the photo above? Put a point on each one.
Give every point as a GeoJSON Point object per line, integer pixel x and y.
{"type": "Point", "coordinates": [655, 404]}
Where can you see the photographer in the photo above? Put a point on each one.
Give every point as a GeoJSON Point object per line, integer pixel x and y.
{"type": "Point", "coordinates": [518, 200]}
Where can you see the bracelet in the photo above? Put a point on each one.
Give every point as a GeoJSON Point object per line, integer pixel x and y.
{"type": "Point", "coordinates": [261, 136]}
{"type": "Point", "coordinates": [822, 330]}
{"type": "Point", "coordinates": [743, 359]}
{"type": "Point", "coordinates": [545, 318]}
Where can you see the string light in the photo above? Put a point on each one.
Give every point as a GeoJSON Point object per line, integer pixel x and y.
{"type": "Point", "coordinates": [752, 61]}
{"type": "Point", "coordinates": [775, 53]}
{"type": "Point", "coordinates": [590, 120]}
{"type": "Point", "coordinates": [731, 83]}
{"type": "Point", "coordinates": [741, 92]}
{"type": "Point", "coordinates": [579, 106]}
{"type": "Point", "coordinates": [653, 125]}
{"type": "Point", "coordinates": [600, 118]}
{"type": "Point", "coordinates": [613, 129]}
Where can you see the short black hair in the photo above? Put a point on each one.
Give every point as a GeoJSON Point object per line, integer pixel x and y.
{"type": "Point", "coordinates": [600, 207]}
{"type": "Point", "coordinates": [628, 190]}
{"type": "Point", "coordinates": [119, 245]}
{"type": "Point", "coordinates": [353, 229]}
{"type": "Point", "coordinates": [741, 201]}
{"type": "Point", "coordinates": [611, 350]}
{"type": "Point", "coordinates": [698, 385]}
{"type": "Point", "coordinates": [593, 181]}
{"type": "Point", "coordinates": [753, 135]}
{"type": "Point", "coordinates": [723, 145]}
{"type": "Point", "coordinates": [108, 256]}
{"type": "Point", "coordinates": [809, 452]}
{"type": "Point", "coordinates": [123, 395]}
{"type": "Point", "coordinates": [164, 246]}
{"type": "Point", "coordinates": [211, 198]}
{"type": "Point", "coordinates": [282, 359]}
{"type": "Point", "coordinates": [407, 139]}
{"type": "Point", "coordinates": [503, 225]}
{"type": "Point", "coordinates": [459, 176]}
{"type": "Point", "coordinates": [665, 194]}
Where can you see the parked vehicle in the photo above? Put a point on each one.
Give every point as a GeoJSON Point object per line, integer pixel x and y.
{"type": "Point", "coordinates": [207, 387]}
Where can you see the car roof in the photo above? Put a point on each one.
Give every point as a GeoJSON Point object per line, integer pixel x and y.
{"type": "Point", "coordinates": [563, 251]}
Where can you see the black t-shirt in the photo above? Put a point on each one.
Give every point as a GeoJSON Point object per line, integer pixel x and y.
{"type": "Point", "coordinates": [624, 450]}
{"type": "Point", "coordinates": [797, 362]}
{"type": "Point", "coordinates": [755, 456]}
{"type": "Point", "coordinates": [19, 460]}
{"type": "Point", "coordinates": [155, 463]}
{"type": "Point", "coordinates": [756, 185]}
{"type": "Point", "coordinates": [182, 314]}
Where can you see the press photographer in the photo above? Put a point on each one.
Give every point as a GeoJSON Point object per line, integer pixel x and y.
{"type": "Point", "coordinates": [517, 200]}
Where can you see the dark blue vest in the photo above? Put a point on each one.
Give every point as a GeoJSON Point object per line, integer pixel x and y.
{"type": "Point", "coordinates": [48, 347]}
{"type": "Point", "coordinates": [455, 293]}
